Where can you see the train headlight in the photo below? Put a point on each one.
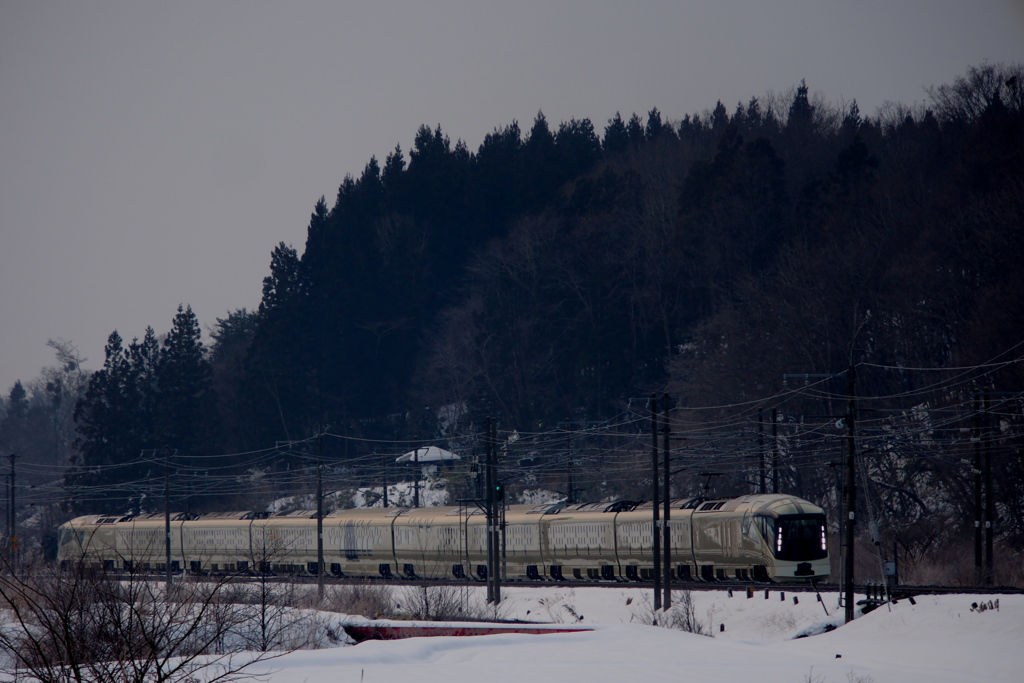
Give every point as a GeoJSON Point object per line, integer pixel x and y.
{"type": "Point", "coordinates": [778, 540]}
{"type": "Point", "coordinates": [823, 546]}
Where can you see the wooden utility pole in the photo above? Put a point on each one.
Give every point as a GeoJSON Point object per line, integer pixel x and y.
{"type": "Point", "coordinates": [762, 487]}
{"type": "Point", "coordinates": [990, 503]}
{"type": "Point", "coordinates": [492, 505]}
{"type": "Point", "coordinates": [570, 485]}
{"type": "Point", "coordinates": [12, 517]}
{"type": "Point", "coordinates": [319, 513]}
{"type": "Point", "coordinates": [977, 470]}
{"type": "Point", "coordinates": [498, 504]}
{"type": "Point", "coordinates": [851, 488]}
{"type": "Point", "coordinates": [167, 517]}
{"type": "Point", "coordinates": [667, 535]}
{"type": "Point", "coordinates": [489, 509]}
{"type": "Point", "coordinates": [775, 450]}
{"type": "Point", "coordinates": [655, 522]}
{"type": "Point", "coordinates": [494, 525]}
{"type": "Point", "coordinates": [416, 481]}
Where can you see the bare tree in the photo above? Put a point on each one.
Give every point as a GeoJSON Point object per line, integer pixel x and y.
{"type": "Point", "coordinates": [271, 610]}
{"type": "Point", "coordinates": [74, 624]}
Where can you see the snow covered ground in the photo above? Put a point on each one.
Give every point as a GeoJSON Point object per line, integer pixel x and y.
{"type": "Point", "coordinates": [941, 638]}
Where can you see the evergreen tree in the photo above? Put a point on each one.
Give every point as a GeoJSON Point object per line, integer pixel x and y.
{"type": "Point", "coordinates": [232, 335]}
{"type": "Point", "coordinates": [17, 401]}
{"type": "Point", "coordinates": [578, 149]}
{"type": "Point", "coordinates": [635, 128]}
{"type": "Point", "coordinates": [391, 176]}
{"type": "Point", "coordinates": [107, 470]}
{"type": "Point", "coordinates": [719, 118]}
{"type": "Point", "coordinates": [616, 137]}
{"type": "Point", "coordinates": [541, 173]}
{"type": "Point", "coordinates": [185, 405]}
{"type": "Point", "coordinates": [800, 121]}
{"type": "Point", "coordinates": [498, 177]}
{"type": "Point", "coordinates": [277, 383]}
{"type": "Point", "coordinates": [655, 128]}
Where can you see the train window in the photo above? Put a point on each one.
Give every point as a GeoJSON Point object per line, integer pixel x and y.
{"type": "Point", "coordinates": [746, 524]}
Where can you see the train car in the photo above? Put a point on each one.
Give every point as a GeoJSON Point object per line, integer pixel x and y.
{"type": "Point", "coordinates": [578, 542]}
{"type": "Point", "coordinates": [761, 537]}
{"type": "Point", "coordinates": [360, 545]}
{"type": "Point", "coordinates": [215, 542]}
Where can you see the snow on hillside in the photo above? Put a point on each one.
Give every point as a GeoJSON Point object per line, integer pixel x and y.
{"type": "Point", "coordinates": [432, 493]}
{"type": "Point", "coordinates": [939, 639]}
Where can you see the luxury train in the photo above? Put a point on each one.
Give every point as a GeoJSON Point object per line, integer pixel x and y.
{"type": "Point", "coordinates": [758, 537]}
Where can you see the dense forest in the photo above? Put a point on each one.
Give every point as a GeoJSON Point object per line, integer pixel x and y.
{"type": "Point", "coordinates": [741, 259]}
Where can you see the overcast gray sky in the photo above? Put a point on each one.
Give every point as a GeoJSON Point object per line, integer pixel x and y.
{"type": "Point", "coordinates": [153, 153]}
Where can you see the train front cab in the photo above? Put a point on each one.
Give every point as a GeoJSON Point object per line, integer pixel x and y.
{"type": "Point", "coordinates": [88, 540]}
{"type": "Point", "coordinates": [800, 548]}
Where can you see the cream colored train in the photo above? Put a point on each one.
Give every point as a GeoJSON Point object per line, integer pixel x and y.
{"type": "Point", "coordinates": [754, 537]}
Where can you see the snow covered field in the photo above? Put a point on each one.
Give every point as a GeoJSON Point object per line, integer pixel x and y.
{"type": "Point", "coordinates": [941, 638]}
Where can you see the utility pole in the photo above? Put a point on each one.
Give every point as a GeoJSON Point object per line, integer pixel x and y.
{"type": "Point", "coordinates": [319, 513]}
{"type": "Point", "coordinates": [167, 517]}
{"type": "Point", "coordinates": [990, 503]}
{"type": "Point", "coordinates": [7, 510]}
{"type": "Point", "coordinates": [416, 474]}
{"type": "Point", "coordinates": [851, 488]}
{"type": "Point", "coordinates": [775, 450]}
{"type": "Point", "coordinates": [498, 504]}
{"type": "Point", "coordinates": [384, 467]}
{"type": "Point", "coordinates": [570, 485]}
{"type": "Point", "coordinates": [655, 522]}
{"type": "Point", "coordinates": [489, 509]}
{"type": "Point", "coordinates": [12, 516]}
{"type": "Point", "coordinates": [977, 490]}
{"type": "Point", "coordinates": [7, 507]}
{"type": "Point", "coordinates": [492, 504]}
{"type": "Point", "coordinates": [762, 487]}
{"type": "Point", "coordinates": [666, 402]}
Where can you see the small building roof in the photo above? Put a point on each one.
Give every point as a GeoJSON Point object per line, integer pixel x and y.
{"type": "Point", "coordinates": [427, 454]}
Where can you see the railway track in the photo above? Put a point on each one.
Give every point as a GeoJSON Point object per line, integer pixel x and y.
{"type": "Point", "coordinates": [734, 586]}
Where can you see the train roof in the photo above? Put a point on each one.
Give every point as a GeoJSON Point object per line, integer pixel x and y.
{"type": "Point", "coordinates": [773, 503]}
{"type": "Point", "coordinates": [235, 515]}
{"type": "Point", "coordinates": [765, 503]}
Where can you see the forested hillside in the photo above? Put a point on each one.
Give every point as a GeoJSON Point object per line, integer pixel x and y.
{"type": "Point", "coordinates": [552, 274]}
{"type": "Point", "coordinates": [556, 275]}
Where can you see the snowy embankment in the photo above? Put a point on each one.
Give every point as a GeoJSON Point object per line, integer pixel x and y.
{"type": "Point", "coordinates": [941, 638]}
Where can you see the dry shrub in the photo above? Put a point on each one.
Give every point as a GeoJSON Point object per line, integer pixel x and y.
{"type": "Point", "coordinates": [448, 603]}
{"type": "Point", "coordinates": [369, 600]}
{"type": "Point", "coordinates": [778, 622]}
{"type": "Point", "coordinates": [952, 564]}
{"type": "Point", "coordinates": [681, 616]}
